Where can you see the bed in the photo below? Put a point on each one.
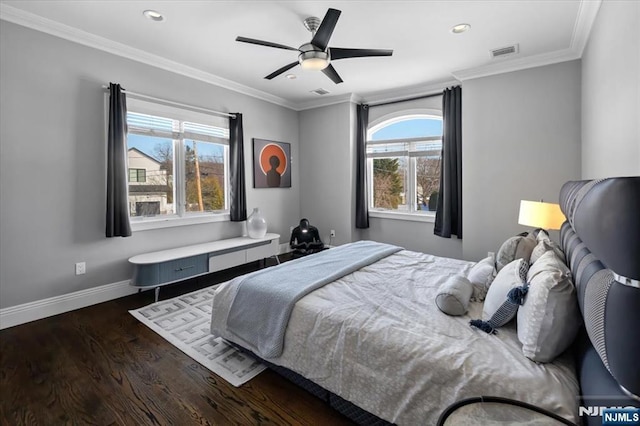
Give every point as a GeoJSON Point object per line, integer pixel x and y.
{"type": "Point", "coordinates": [367, 336]}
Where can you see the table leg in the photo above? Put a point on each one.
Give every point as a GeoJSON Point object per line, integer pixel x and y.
{"type": "Point", "coordinates": [157, 293]}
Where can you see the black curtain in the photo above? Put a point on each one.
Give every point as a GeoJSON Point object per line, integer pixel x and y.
{"type": "Point", "coordinates": [362, 204]}
{"type": "Point", "coordinates": [236, 163]}
{"type": "Point", "coordinates": [449, 209]}
{"type": "Point", "coordinates": [117, 203]}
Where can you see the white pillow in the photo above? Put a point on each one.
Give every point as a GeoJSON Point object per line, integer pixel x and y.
{"type": "Point", "coordinates": [518, 247]}
{"type": "Point", "coordinates": [453, 295]}
{"type": "Point", "coordinates": [550, 317]}
{"type": "Point", "coordinates": [511, 276]}
{"type": "Point", "coordinates": [481, 276]}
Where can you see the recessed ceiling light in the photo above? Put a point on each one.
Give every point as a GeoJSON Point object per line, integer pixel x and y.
{"type": "Point", "coordinates": [291, 76]}
{"type": "Point", "coordinates": [460, 28]}
{"type": "Point", "coordinates": [154, 15]}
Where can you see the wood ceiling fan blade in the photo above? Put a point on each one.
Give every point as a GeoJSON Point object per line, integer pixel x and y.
{"type": "Point", "coordinates": [322, 36]}
{"type": "Point", "coordinates": [342, 53]}
{"type": "Point", "coordinates": [264, 43]}
{"type": "Point", "coordinates": [281, 70]}
{"type": "Point", "coordinates": [331, 72]}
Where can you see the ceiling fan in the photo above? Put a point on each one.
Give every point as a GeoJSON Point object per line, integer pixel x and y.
{"type": "Point", "coordinates": [317, 55]}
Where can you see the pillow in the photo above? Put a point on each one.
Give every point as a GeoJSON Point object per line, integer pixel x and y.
{"type": "Point", "coordinates": [453, 295]}
{"type": "Point", "coordinates": [550, 317]}
{"type": "Point", "coordinates": [505, 295]}
{"type": "Point", "coordinates": [544, 246]}
{"type": "Point", "coordinates": [481, 276]}
{"type": "Point", "coordinates": [518, 247]}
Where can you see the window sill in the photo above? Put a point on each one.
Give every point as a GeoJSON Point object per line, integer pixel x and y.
{"type": "Point", "coordinates": [147, 224]}
{"type": "Point", "coordinates": [412, 217]}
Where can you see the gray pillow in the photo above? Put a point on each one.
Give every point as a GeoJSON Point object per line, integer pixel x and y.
{"type": "Point", "coordinates": [545, 244]}
{"type": "Point", "coordinates": [518, 247]}
{"type": "Point", "coordinates": [453, 295]}
{"type": "Point", "coordinates": [511, 276]}
{"type": "Point", "coordinates": [481, 276]}
{"type": "Point", "coordinates": [550, 317]}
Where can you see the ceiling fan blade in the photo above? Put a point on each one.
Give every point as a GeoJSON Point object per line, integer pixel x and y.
{"type": "Point", "coordinates": [322, 36]}
{"type": "Point", "coordinates": [281, 70]}
{"type": "Point", "coordinates": [331, 72]}
{"type": "Point", "coordinates": [264, 43]}
{"type": "Point", "coordinates": [340, 53]}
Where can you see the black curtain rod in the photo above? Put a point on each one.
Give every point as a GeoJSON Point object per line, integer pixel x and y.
{"type": "Point", "coordinates": [406, 100]}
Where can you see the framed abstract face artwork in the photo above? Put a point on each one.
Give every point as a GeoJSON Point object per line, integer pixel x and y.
{"type": "Point", "coordinates": [271, 164]}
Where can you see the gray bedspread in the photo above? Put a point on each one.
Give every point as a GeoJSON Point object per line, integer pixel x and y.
{"type": "Point", "coordinates": [264, 300]}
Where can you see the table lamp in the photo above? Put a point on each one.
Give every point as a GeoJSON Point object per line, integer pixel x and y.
{"type": "Point", "coordinates": [539, 214]}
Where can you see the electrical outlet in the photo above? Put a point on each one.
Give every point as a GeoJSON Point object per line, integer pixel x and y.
{"type": "Point", "coordinates": [81, 268]}
{"type": "Point", "coordinates": [332, 234]}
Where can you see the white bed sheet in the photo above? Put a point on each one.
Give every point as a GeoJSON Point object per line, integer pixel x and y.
{"type": "Point", "coordinates": [376, 338]}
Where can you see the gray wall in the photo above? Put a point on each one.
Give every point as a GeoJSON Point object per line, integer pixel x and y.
{"type": "Point", "coordinates": [521, 140]}
{"type": "Point", "coordinates": [611, 93]}
{"type": "Point", "coordinates": [52, 164]}
{"type": "Point", "coordinates": [326, 159]}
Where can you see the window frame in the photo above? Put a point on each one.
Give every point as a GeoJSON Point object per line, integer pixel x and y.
{"type": "Point", "coordinates": [388, 119]}
{"type": "Point", "coordinates": [181, 217]}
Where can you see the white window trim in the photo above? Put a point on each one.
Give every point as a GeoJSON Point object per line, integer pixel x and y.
{"type": "Point", "coordinates": [193, 218]}
{"type": "Point", "coordinates": [151, 223]}
{"type": "Point", "coordinates": [386, 120]}
{"type": "Point", "coordinates": [413, 217]}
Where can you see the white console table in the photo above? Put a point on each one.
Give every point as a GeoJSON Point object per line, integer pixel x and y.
{"type": "Point", "coordinates": [169, 266]}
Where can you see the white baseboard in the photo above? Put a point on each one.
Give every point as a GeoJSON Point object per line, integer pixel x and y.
{"type": "Point", "coordinates": [27, 312]}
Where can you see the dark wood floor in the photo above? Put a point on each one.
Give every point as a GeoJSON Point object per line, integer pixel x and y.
{"type": "Point", "coordinates": [99, 365]}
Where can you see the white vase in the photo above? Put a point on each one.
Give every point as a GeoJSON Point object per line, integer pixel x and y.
{"type": "Point", "coordinates": [256, 224]}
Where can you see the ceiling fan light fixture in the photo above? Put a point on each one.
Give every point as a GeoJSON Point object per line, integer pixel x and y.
{"type": "Point", "coordinates": [314, 60]}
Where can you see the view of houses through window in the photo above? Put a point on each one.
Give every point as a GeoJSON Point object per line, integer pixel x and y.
{"type": "Point", "coordinates": [176, 168]}
{"type": "Point", "coordinates": [404, 158]}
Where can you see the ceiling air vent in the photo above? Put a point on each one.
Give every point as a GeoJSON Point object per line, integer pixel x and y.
{"type": "Point", "coordinates": [504, 51]}
{"type": "Point", "coordinates": [320, 92]}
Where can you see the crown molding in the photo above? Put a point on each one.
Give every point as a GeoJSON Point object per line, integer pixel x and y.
{"type": "Point", "coordinates": [587, 12]}
{"type": "Point", "coordinates": [392, 95]}
{"type": "Point", "coordinates": [48, 26]}
{"type": "Point", "coordinates": [333, 100]}
{"type": "Point", "coordinates": [408, 92]}
{"type": "Point", "coordinates": [517, 64]}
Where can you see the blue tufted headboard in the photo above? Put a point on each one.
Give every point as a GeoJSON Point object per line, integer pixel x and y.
{"type": "Point", "coordinates": [601, 240]}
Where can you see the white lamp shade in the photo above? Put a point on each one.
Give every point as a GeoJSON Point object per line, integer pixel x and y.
{"type": "Point", "coordinates": [540, 215]}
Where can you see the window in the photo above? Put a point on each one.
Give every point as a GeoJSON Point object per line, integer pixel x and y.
{"type": "Point", "coordinates": [137, 175]}
{"type": "Point", "coordinates": [178, 166]}
{"type": "Point", "coordinates": [403, 160]}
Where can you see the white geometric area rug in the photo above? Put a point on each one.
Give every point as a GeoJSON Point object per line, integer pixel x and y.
{"type": "Point", "coordinates": [185, 322]}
